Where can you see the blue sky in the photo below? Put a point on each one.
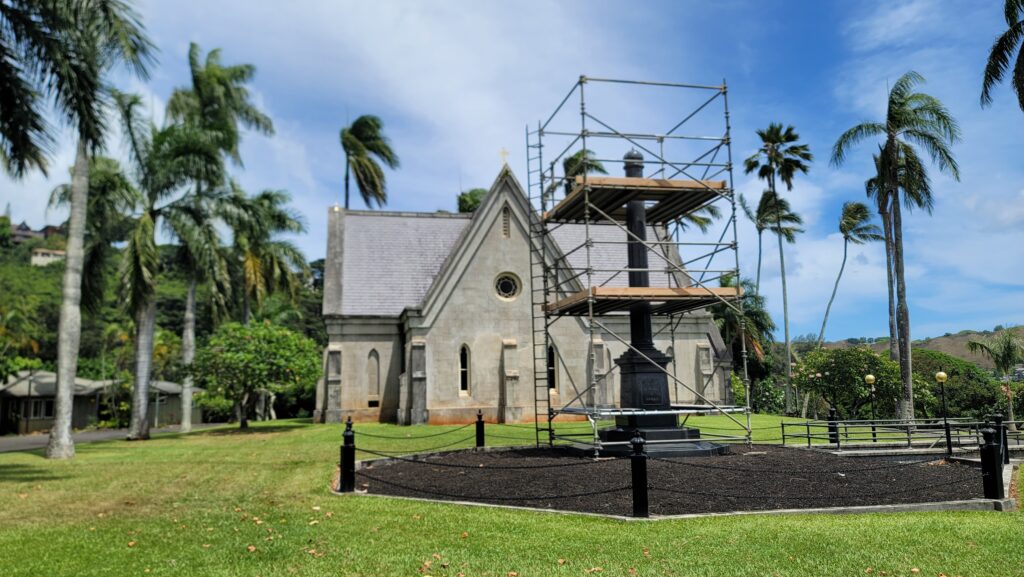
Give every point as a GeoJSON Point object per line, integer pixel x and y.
{"type": "Point", "coordinates": [457, 81]}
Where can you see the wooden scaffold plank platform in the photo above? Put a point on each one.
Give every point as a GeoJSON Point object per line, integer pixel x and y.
{"type": "Point", "coordinates": [664, 300]}
{"type": "Point", "coordinates": [671, 198]}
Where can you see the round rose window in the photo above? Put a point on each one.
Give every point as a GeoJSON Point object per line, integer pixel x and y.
{"type": "Point", "coordinates": [507, 286]}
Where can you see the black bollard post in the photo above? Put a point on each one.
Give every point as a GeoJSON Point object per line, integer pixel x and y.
{"type": "Point", "coordinates": [1004, 445]}
{"type": "Point", "coordinates": [833, 426]}
{"type": "Point", "coordinates": [638, 467]}
{"type": "Point", "coordinates": [991, 465]}
{"type": "Point", "coordinates": [479, 429]}
{"type": "Point", "coordinates": [347, 484]}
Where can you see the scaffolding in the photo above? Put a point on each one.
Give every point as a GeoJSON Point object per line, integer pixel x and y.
{"type": "Point", "coordinates": [691, 180]}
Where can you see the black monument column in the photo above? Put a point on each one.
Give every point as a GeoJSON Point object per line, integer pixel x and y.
{"type": "Point", "coordinates": [644, 384]}
{"type": "Point", "coordinates": [643, 380]}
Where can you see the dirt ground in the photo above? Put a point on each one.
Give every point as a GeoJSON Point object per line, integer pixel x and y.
{"type": "Point", "coordinates": [759, 478]}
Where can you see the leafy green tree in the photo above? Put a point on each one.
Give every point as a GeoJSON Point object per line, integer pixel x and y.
{"type": "Point", "coordinates": [238, 362]}
{"type": "Point", "coordinates": [773, 213]}
{"type": "Point", "coordinates": [856, 227]}
{"type": "Point", "coordinates": [91, 38]}
{"type": "Point", "coordinates": [837, 376]}
{"type": "Point", "coordinates": [970, 391]}
{"type": "Point", "coordinates": [780, 158]}
{"type": "Point", "coordinates": [6, 236]}
{"type": "Point", "coordinates": [366, 146]}
{"type": "Point", "coordinates": [470, 200]}
{"type": "Point", "coordinates": [164, 161]}
{"type": "Point", "coordinates": [1005, 48]}
{"type": "Point", "coordinates": [1006, 350]}
{"type": "Point", "coordinates": [912, 118]}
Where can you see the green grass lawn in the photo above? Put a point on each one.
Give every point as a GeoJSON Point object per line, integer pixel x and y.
{"type": "Point", "coordinates": [224, 502]}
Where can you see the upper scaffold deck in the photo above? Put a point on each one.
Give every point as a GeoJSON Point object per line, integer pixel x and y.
{"type": "Point", "coordinates": [672, 198]}
{"type": "Point", "coordinates": [663, 300]}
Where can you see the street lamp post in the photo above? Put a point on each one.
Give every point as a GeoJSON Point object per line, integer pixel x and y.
{"type": "Point", "coordinates": [869, 380]}
{"type": "Point", "coordinates": [940, 377]}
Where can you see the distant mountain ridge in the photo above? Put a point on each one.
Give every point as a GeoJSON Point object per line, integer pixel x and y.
{"type": "Point", "coordinates": [950, 343]}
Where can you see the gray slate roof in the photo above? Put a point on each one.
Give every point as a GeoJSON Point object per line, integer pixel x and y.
{"type": "Point", "coordinates": [391, 260]}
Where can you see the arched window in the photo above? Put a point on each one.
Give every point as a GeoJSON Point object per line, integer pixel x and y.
{"type": "Point", "coordinates": [552, 368]}
{"type": "Point", "coordinates": [464, 369]}
{"type": "Point", "coordinates": [373, 379]}
{"type": "Point", "coordinates": [506, 222]}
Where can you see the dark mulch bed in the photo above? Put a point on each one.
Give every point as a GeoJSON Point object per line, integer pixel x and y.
{"type": "Point", "coordinates": [757, 479]}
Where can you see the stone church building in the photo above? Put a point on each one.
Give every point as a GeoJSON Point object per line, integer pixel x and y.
{"type": "Point", "coordinates": [429, 318]}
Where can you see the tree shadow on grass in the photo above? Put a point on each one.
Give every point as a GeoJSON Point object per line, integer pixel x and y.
{"type": "Point", "coordinates": [25, 474]}
{"type": "Point", "coordinates": [252, 430]}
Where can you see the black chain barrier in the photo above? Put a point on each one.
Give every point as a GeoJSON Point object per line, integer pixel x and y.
{"type": "Point", "coordinates": [803, 497]}
{"type": "Point", "coordinates": [788, 471]}
{"type": "Point", "coordinates": [452, 444]}
{"type": "Point", "coordinates": [481, 466]}
{"type": "Point", "coordinates": [492, 498]}
{"type": "Point", "coordinates": [365, 434]}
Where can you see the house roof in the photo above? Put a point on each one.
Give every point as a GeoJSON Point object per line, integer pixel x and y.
{"type": "Point", "coordinates": [391, 259]}
{"type": "Point", "coordinates": [44, 384]}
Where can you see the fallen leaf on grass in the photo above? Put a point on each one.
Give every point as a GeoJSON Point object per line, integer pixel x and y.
{"type": "Point", "coordinates": [436, 556]}
{"type": "Point", "coordinates": [647, 552]}
{"type": "Point", "coordinates": [632, 572]}
{"type": "Point", "coordinates": [206, 545]}
{"type": "Point", "coordinates": [465, 534]}
{"type": "Point", "coordinates": [513, 574]}
{"type": "Point", "coordinates": [251, 548]}
{"type": "Point", "coordinates": [23, 495]}
{"type": "Point", "coordinates": [328, 514]}
{"type": "Point", "coordinates": [561, 561]}
{"type": "Point", "coordinates": [595, 569]}
{"type": "Point", "coordinates": [317, 508]}
{"type": "Point", "coordinates": [915, 570]}
{"type": "Point", "coordinates": [314, 522]}
{"type": "Point", "coordinates": [869, 570]}
{"type": "Point", "coordinates": [131, 543]}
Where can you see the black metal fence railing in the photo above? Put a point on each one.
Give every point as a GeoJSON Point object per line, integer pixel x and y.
{"type": "Point", "coordinates": [954, 435]}
{"type": "Point", "coordinates": [992, 444]}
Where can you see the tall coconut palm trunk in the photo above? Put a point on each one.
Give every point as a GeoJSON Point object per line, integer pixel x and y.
{"type": "Point", "coordinates": [188, 354]}
{"type": "Point", "coordinates": [902, 315]}
{"type": "Point", "coordinates": [790, 401]}
{"type": "Point", "coordinates": [145, 326]}
{"type": "Point", "coordinates": [828, 309]}
{"type": "Point", "coordinates": [70, 328]}
{"type": "Point", "coordinates": [757, 285]}
{"type": "Point", "coordinates": [894, 339]}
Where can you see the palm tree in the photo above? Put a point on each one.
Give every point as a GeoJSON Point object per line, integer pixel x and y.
{"type": "Point", "coordinates": [912, 118]}
{"type": "Point", "coordinates": [267, 264]}
{"type": "Point", "coordinates": [217, 102]}
{"type": "Point", "coordinates": [112, 197]}
{"type": "Point", "coordinates": [780, 157]}
{"type": "Point", "coordinates": [1005, 349]}
{"type": "Point", "coordinates": [1003, 50]}
{"type": "Point", "coordinates": [362, 142]}
{"type": "Point", "coordinates": [856, 227]}
{"type": "Point", "coordinates": [770, 214]}
{"type": "Point", "coordinates": [91, 37]}
{"type": "Point", "coordinates": [755, 323]}
{"type": "Point", "coordinates": [164, 161]}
